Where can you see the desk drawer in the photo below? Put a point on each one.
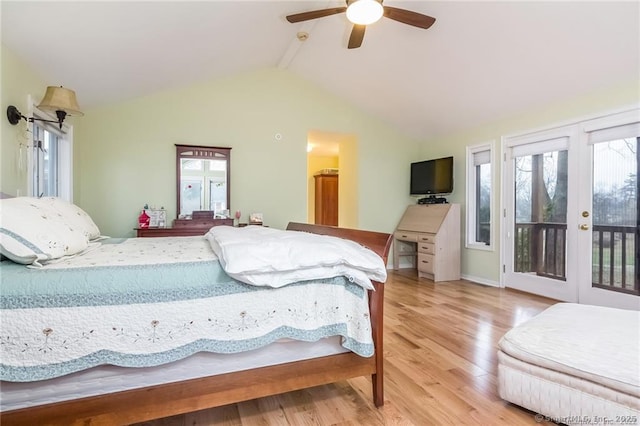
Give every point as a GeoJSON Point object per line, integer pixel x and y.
{"type": "Point", "coordinates": [425, 263]}
{"type": "Point", "coordinates": [427, 248]}
{"type": "Point", "coordinates": [427, 238]}
{"type": "Point", "coordinates": [406, 236]}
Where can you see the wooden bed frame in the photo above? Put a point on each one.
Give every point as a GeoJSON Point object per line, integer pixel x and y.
{"type": "Point", "coordinates": [154, 402]}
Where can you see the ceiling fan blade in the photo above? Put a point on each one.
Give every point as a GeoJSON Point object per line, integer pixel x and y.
{"type": "Point", "coordinates": [409, 17]}
{"type": "Point", "coordinates": [314, 14]}
{"type": "Point", "coordinates": [356, 37]}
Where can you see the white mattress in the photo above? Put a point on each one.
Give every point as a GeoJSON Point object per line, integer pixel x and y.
{"type": "Point", "coordinates": [574, 359]}
{"type": "Point", "coordinates": [108, 379]}
{"type": "Point", "coordinates": [563, 398]}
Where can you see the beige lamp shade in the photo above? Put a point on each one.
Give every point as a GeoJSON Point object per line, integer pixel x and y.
{"type": "Point", "coordinates": [60, 99]}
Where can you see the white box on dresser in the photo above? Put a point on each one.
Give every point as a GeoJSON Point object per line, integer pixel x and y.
{"type": "Point", "coordinates": [430, 235]}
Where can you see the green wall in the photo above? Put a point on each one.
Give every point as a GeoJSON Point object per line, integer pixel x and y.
{"type": "Point", "coordinates": [125, 154]}
{"type": "Point", "coordinates": [481, 265]}
{"type": "Point", "coordinates": [17, 82]}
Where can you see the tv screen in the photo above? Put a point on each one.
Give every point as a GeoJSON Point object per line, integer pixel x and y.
{"type": "Point", "coordinates": [432, 176]}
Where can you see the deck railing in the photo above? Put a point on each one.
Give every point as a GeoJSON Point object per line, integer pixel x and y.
{"type": "Point", "coordinates": [616, 258]}
{"type": "Point", "coordinates": [541, 248]}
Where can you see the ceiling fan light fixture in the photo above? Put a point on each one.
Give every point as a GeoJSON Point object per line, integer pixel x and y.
{"type": "Point", "coordinates": [364, 12]}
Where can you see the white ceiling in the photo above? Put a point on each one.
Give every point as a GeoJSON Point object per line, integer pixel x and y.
{"type": "Point", "coordinates": [480, 61]}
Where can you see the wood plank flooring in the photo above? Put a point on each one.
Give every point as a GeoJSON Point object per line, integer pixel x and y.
{"type": "Point", "coordinates": [440, 365]}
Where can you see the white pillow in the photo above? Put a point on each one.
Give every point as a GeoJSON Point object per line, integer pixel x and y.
{"type": "Point", "coordinates": [71, 214]}
{"type": "Point", "coordinates": [32, 233]}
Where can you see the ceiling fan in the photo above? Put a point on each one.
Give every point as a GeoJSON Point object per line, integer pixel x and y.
{"type": "Point", "coordinates": [363, 13]}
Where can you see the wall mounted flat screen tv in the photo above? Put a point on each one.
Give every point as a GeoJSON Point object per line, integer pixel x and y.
{"type": "Point", "coordinates": [432, 176]}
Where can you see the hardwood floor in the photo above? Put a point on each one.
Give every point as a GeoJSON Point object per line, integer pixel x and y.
{"type": "Point", "coordinates": [440, 365]}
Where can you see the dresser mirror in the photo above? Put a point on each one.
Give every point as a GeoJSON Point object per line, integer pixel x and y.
{"type": "Point", "coordinates": [202, 175]}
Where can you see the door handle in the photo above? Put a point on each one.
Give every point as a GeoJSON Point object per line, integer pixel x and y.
{"type": "Point", "coordinates": [584, 227]}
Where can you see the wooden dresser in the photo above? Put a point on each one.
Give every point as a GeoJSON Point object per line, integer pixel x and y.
{"type": "Point", "coordinates": [430, 235]}
{"type": "Point", "coordinates": [184, 228]}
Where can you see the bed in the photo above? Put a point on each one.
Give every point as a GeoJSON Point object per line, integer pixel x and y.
{"type": "Point", "coordinates": [114, 387]}
{"type": "Point", "coordinates": [574, 364]}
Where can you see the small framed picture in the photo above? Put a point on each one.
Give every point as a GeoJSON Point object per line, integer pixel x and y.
{"type": "Point", "coordinates": [255, 218]}
{"type": "Point", "coordinates": [157, 218]}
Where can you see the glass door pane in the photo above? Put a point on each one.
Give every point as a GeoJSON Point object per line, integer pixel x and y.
{"type": "Point", "coordinates": [615, 250]}
{"type": "Point", "coordinates": [540, 214]}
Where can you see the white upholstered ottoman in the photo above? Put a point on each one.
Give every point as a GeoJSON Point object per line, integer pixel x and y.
{"type": "Point", "coordinates": [575, 364]}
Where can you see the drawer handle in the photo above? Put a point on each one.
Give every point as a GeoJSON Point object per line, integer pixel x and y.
{"type": "Point", "coordinates": [425, 261]}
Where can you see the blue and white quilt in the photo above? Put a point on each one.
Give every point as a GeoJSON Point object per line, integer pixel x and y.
{"type": "Point", "coordinates": [146, 302]}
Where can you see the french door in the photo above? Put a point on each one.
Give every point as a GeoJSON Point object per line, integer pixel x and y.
{"type": "Point", "coordinates": [609, 236]}
{"type": "Point", "coordinates": [570, 225]}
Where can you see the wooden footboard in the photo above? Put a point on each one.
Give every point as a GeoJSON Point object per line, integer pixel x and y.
{"type": "Point", "coordinates": [197, 394]}
{"type": "Point", "coordinates": [380, 243]}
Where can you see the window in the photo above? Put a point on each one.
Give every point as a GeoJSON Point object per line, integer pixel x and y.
{"type": "Point", "coordinates": [51, 162]}
{"type": "Point", "coordinates": [479, 185]}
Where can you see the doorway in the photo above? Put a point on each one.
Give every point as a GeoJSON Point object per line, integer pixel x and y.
{"type": "Point", "coordinates": [571, 212]}
{"type": "Point", "coordinates": [333, 155]}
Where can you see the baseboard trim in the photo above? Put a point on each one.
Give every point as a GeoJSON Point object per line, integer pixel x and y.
{"type": "Point", "coordinates": [479, 280]}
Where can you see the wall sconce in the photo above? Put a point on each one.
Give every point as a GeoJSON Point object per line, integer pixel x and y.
{"type": "Point", "coordinates": [57, 99]}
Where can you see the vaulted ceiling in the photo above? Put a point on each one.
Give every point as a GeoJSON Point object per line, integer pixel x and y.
{"type": "Point", "coordinates": [480, 61]}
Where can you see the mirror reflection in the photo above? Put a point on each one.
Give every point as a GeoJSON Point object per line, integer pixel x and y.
{"type": "Point", "coordinates": [202, 180]}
